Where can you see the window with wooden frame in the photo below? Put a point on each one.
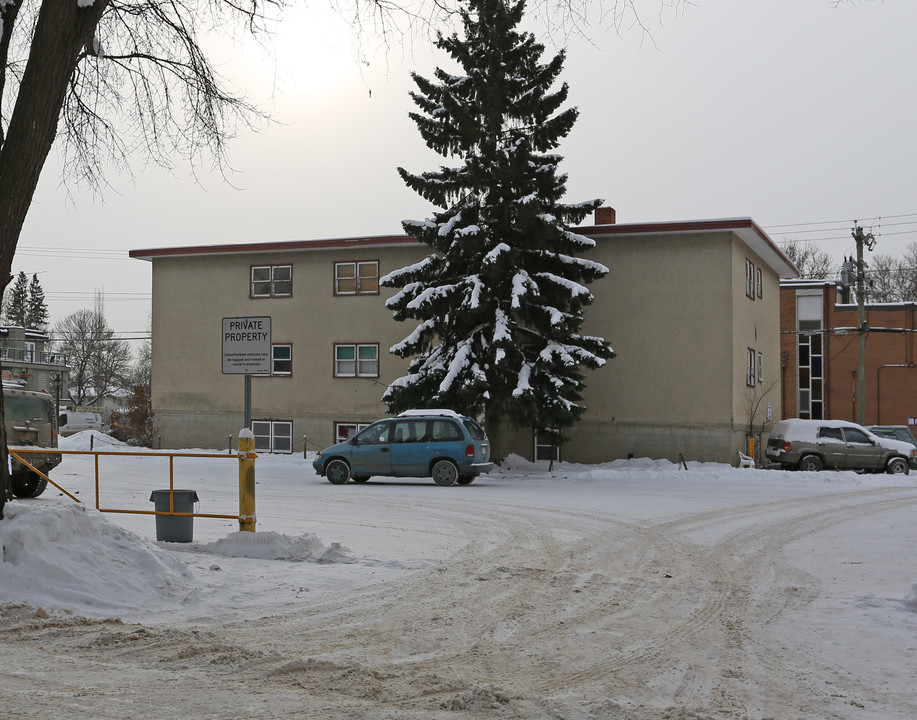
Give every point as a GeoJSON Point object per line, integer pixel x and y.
{"type": "Point", "coordinates": [547, 445]}
{"type": "Point", "coordinates": [358, 360]}
{"type": "Point", "coordinates": [271, 281]}
{"type": "Point", "coordinates": [273, 436]}
{"type": "Point", "coordinates": [356, 278]}
{"type": "Point", "coordinates": [750, 368]}
{"type": "Point", "coordinates": [281, 359]}
{"type": "Point", "coordinates": [343, 431]}
{"type": "Point", "coordinates": [749, 279]}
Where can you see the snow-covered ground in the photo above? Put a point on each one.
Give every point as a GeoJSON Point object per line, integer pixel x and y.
{"type": "Point", "coordinates": [631, 590]}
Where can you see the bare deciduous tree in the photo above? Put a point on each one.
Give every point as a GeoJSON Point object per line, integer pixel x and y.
{"type": "Point", "coordinates": [882, 281]}
{"type": "Point", "coordinates": [759, 402]}
{"type": "Point", "coordinates": [811, 262]}
{"type": "Point", "coordinates": [99, 362]}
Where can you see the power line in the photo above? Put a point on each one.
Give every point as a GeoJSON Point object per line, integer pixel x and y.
{"type": "Point", "coordinates": [833, 222]}
{"type": "Point", "coordinates": [827, 229]}
{"type": "Point", "coordinates": [846, 238]}
{"type": "Point", "coordinates": [90, 253]}
{"type": "Point", "coordinates": [106, 296]}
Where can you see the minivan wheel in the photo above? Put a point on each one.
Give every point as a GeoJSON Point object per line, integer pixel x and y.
{"type": "Point", "coordinates": [897, 466]}
{"type": "Point", "coordinates": [811, 463]}
{"type": "Point", "coordinates": [444, 473]}
{"type": "Point", "coordinates": [28, 485]}
{"type": "Point", "coordinates": [337, 472]}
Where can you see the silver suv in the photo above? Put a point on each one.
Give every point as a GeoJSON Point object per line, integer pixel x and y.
{"type": "Point", "coordinates": [837, 445]}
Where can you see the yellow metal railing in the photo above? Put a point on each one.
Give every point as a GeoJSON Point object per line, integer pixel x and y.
{"type": "Point", "coordinates": [246, 516]}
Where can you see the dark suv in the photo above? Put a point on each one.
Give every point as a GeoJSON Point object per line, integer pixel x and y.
{"type": "Point", "coordinates": [895, 432]}
{"type": "Point", "coordinates": [440, 444]}
{"type": "Point", "coordinates": [838, 445]}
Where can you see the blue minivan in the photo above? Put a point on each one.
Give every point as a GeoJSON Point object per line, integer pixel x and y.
{"type": "Point", "coordinates": [441, 444]}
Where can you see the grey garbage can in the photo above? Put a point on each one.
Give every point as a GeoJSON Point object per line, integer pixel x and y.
{"type": "Point", "coordinates": [173, 528]}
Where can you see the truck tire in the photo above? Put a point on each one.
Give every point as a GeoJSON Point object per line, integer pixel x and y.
{"type": "Point", "coordinates": [810, 463]}
{"type": "Point", "coordinates": [28, 485]}
{"type": "Point", "coordinates": [897, 466]}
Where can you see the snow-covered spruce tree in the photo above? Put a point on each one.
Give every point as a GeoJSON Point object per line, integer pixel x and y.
{"type": "Point", "coordinates": [500, 300]}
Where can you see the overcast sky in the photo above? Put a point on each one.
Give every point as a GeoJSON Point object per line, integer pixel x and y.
{"type": "Point", "coordinates": [794, 113]}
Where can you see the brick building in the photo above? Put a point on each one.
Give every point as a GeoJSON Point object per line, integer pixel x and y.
{"type": "Point", "coordinates": [818, 326]}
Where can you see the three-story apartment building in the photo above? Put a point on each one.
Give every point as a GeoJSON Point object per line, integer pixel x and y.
{"type": "Point", "coordinates": [691, 309]}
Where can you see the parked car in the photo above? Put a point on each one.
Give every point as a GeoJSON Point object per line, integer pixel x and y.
{"type": "Point", "coordinates": [29, 421]}
{"type": "Point", "coordinates": [440, 444]}
{"type": "Point", "coordinates": [895, 432]}
{"type": "Point", "coordinates": [836, 444]}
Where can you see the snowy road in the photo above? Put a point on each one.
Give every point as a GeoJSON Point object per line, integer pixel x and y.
{"type": "Point", "coordinates": [614, 592]}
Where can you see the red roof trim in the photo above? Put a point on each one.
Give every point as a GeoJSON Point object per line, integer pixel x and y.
{"type": "Point", "coordinates": [283, 246]}
{"type": "Point", "coordinates": [665, 227]}
{"type": "Point", "coordinates": [728, 224]}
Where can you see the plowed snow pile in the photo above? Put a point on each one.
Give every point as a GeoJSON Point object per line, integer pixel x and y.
{"type": "Point", "coordinates": [627, 591]}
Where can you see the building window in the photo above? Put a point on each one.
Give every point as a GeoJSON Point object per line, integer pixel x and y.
{"type": "Point", "coordinates": [760, 281]}
{"type": "Point", "coordinates": [749, 279]}
{"type": "Point", "coordinates": [547, 445]}
{"type": "Point", "coordinates": [273, 436]}
{"type": "Point", "coordinates": [272, 281]}
{"type": "Point", "coordinates": [343, 431]}
{"type": "Point", "coordinates": [29, 353]}
{"type": "Point", "coordinates": [356, 360]}
{"type": "Point", "coordinates": [810, 370]}
{"type": "Point", "coordinates": [281, 359]}
{"type": "Point", "coordinates": [760, 368]}
{"type": "Point", "coordinates": [356, 278]}
{"type": "Point", "coordinates": [750, 368]}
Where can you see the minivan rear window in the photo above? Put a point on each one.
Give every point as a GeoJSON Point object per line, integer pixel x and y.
{"type": "Point", "coordinates": [474, 429]}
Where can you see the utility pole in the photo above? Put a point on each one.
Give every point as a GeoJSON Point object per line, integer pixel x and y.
{"type": "Point", "coordinates": [867, 239]}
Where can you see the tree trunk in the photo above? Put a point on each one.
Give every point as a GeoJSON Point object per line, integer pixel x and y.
{"type": "Point", "coordinates": [62, 30]}
{"type": "Point", "coordinates": [6, 483]}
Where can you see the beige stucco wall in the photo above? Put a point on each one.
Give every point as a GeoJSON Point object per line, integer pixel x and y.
{"type": "Point", "coordinates": [756, 325]}
{"type": "Point", "coordinates": [196, 404]}
{"type": "Point", "coordinates": [666, 309]}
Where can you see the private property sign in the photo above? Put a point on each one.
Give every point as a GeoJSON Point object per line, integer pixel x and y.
{"type": "Point", "coordinates": [246, 346]}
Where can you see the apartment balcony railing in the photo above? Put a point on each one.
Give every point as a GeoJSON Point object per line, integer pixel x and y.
{"type": "Point", "coordinates": [20, 355]}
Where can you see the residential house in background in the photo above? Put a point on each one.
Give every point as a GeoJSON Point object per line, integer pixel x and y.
{"type": "Point", "coordinates": [819, 337]}
{"type": "Point", "coordinates": [691, 309]}
{"type": "Point", "coordinates": [27, 362]}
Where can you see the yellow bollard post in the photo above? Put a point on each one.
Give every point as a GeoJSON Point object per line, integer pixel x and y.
{"type": "Point", "coordinates": [247, 480]}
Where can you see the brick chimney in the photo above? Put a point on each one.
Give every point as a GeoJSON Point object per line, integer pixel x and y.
{"type": "Point", "coordinates": [605, 216]}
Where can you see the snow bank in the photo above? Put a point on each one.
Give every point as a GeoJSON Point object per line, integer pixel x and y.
{"type": "Point", "coordinates": [275, 546]}
{"type": "Point", "coordinates": [89, 440]}
{"type": "Point", "coordinates": [72, 556]}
